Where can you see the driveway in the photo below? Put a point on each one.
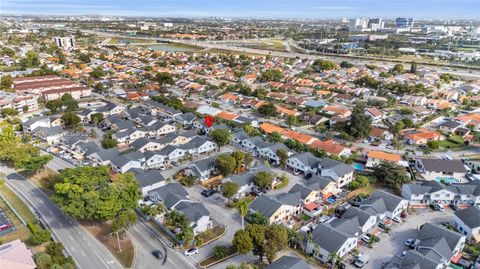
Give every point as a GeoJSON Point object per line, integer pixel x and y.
{"type": "Point", "coordinates": [393, 244]}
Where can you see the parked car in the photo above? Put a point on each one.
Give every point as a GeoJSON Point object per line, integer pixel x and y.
{"type": "Point", "coordinates": [161, 168]}
{"type": "Point", "coordinates": [411, 243]}
{"type": "Point", "coordinates": [174, 163]}
{"type": "Point", "coordinates": [365, 238]}
{"type": "Point", "coordinates": [383, 225]}
{"type": "Point", "coordinates": [190, 252]}
{"type": "Point", "coordinates": [437, 207]}
{"type": "Point", "coordinates": [361, 260]}
{"type": "Point", "coordinates": [308, 176]}
{"type": "Point", "coordinates": [157, 254]}
{"type": "Point", "coordinates": [208, 192]}
{"type": "Point", "coordinates": [397, 219]}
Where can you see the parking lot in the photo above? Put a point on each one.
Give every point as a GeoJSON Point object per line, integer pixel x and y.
{"type": "Point", "coordinates": [392, 245]}
{"type": "Point", "coordinates": [6, 225]}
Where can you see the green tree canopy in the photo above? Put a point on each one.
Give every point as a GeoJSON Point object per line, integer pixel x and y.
{"type": "Point", "coordinates": [263, 180]}
{"type": "Point", "coordinates": [225, 164]}
{"type": "Point", "coordinates": [229, 189]}
{"type": "Point", "coordinates": [221, 136]}
{"type": "Point", "coordinates": [88, 193]}
{"type": "Point", "coordinates": [71, 120]}
{"type": "Point", "coordinates": [360, 123]}
{"type": "Point", "coordinates": [268, 109]}
{"type": "Point", "coordinates": [391, 173]}
{"type": "Point", "coordinates": [54, 105]}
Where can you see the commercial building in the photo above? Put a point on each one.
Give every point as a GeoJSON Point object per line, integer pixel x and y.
{"type": "Point", "coordinates": [64, 42]}
{"type": "Point", "coordinates": [404, 22]}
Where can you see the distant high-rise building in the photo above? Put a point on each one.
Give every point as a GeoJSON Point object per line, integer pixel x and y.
{"type": "Point", "coordinates": [64, 42]}
{"type": "Point", "coordinates": [404, 22]}
{"type": "Point", "coordinates": [375, 24]}
{"type": "Point", "coordinates": [358, 25]}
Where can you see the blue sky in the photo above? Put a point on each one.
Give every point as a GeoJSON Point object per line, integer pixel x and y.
{"type": "Point", "coordinates": [250, 8]}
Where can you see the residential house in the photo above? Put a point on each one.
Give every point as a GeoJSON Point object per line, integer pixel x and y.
{"type": "Point", "coordinates": [272, 209]}
{"type": "Point", "coordinates": [123, 163]}
{"type": "Point", "coordinates": [204, 168]}
{"type": "Point", "coordinates": [303, 162]}
{"type": "Point", "coordinates": [341, 173]}
{"type": "Point", "coordinates": [376, 157]}
{"type": "Point", "coordinates": [427, 192]}
{"type": "Point", "coordinates": [384, 204]}
{"type": "Point", "coordinates": [148, 180]}
{"type": "Point", "coordinates": [331, 241]}
{"type": "Point", "coordinates": [437, 169]}
{"type": "Point", "coordinates": [467, 222]}
{"type": "Point", "coordinates": [375, 114]}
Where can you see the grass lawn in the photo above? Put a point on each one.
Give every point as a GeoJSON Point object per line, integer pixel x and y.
{"type": "Point", "coordinates": [452, 142]}
{"type": "Point", "coordinates": [213, 259]}
{"type": "Point", "coordinates": [101, 231]}
{"type": "Point", "coordinates": [304, 217]}
{"type": "Point", "coordinates": [22, 232]}
{"type": "Point", "coordinates": [211, 234]}
{"type": "Point", "coordinates": [18, 204]}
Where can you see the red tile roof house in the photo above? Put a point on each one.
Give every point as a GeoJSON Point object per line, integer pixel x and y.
{"type": "Point", "coordinates": [15, 255]}
{"type": "Point", "coordinates": [375, 114]}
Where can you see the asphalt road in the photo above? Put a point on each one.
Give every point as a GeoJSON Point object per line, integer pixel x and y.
{"type": "Point", "coordinates": [87, 252]}
{"type": "Point", "coordinates": [146, 241]}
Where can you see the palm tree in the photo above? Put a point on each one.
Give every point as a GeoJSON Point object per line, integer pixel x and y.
{"type": "Point", "coordinates": [242, 207]}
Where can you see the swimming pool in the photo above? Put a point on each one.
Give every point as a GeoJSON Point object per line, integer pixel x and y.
{"type": "Point", "coordinates": [448, 180]}
{"type": "Point", "coordinates": [358, 166]}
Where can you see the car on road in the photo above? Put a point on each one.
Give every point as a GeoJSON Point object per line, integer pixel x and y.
{"type": "Point", "coordinates": [190, 252]}
{"type": "Point", "coordinates": [207, 192]}
{"type": "Point", "coordinates": [174, 163]}
{"type": "Point", "coordinates": [157, 254]}
{"type": "Point", "coordinates": [454, 207]}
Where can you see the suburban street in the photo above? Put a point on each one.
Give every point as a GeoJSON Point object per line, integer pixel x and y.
{"type": "Point", "coordinates": [146, 240]}
{"type": "Point", "coordinates": [84, 248]}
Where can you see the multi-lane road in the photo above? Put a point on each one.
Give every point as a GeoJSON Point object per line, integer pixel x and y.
{"type": "Point", "coordinates": [87, 252]}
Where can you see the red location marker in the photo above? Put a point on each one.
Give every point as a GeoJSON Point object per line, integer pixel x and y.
{"type": "Point", "coordinates": [209, 121]}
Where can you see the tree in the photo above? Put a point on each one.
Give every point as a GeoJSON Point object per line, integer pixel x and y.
{"type": "Point", "coordinates": [8, 112]}
{"type": "Point", "coordinates": [225, 164]}
{"type": "Point", "coordinates": [122, 222]}
{"type": "Point", "coordinates": [413, 68]}
{"type": "Point", "coordinates": [433, 144]}
{"type": "Point", "coordinates": [6, 82]}
{"type": "Point", "coordinates": [88, 193]}
{"type": "Point", "coordinates": [164, 78]}
{"type": "Point", "coordinates": [323, 65]}
{"type": "Point", "coordinates": [84, 58]}
{"type": "Point", "coordinates": [97, 72]}
{"type": "Point", "coordinates": [69, 102]}
{"type": "Point", "coordinates": [345, 64]}
{"type": "Point", "coordinates": [359, 182]}
{"type": "Point", "coordinates": [263, 180]}
{"type": "Point", "coordinates": [220, 251]}
{"type": "Point", "coordinates": [71, 120]}
{"type": "Point", "coordinates": [242, 207]}
{"type": "Point", "coordinates": [360, 123]}
{"type": "Point", "coordinates": [277, 240]}
{"type": "Point", "coordinates": [398, 69]}
{"type": "Point", "coordinates": [283, 156]}
{"type": "Point", "coordinates": [34, 163]}
{"type": "Point", "coordinates": [275, 137]}
{"type": "Point", "coordinates": [391, 173]}
{"type": "Point", "coordinates": [291, 120]}
{"type": "Point", "coordinates": [108, 141]}
{"type": "Point", "coordinates": [242, 241]}
{"type": "Point", "coordinates": [43, 260]}
{"type": "Point", "coordinates": [54, 105]}
{"type": "Point", "coordinates": [271, 75]}
{"type": "Point", "coordinates": [268, 109]}
{"type": "Point", "coordinates": [239, 157]}
{"type": "Point", "coordinates": [30, 60]}
{"type": "Point", "coordinates": [7, 135]}
{"type": "Point", "coordinates": [96, 118]}
{"type": "Point", "coordinates": [258, 218]}
{"type": "Point", "coordinates": [221, 136]}
{"type": "Point", "coordinates": [229, 189]}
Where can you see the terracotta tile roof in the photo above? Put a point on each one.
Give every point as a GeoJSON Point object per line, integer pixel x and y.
{"type": "Point", "coordinates": [377, 132]}
{"type": "Point", "coordinates": [230, 97]}
{"type": "Point", "coordinates": [374, 111]}
{"type": "Point", "coordinates": [302, 138]}
{"type": "Point", "coordinates": [286, 111]}
{"type": "Point", "coordinates": [384, 156]}
{"type": "Point", "coordinates": [328, 146]}
{"type": "Point", "coordinates": [270, 128]}
{"type": "Point", "coordinates": [227, 116]}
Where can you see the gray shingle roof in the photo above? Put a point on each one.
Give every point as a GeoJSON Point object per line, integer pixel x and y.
{"type": "Point", "coordinates": [447, 166]}
{"type": "Point", "coordinates": [339, 168]}
{"type": "Point", "coordinates": [193, 211]}
{"type": "Point", "coordinates": [416, 260]}
{"type": "Point", "coordinates": [265, 205]}
{"type": "Point", "coordinates": [329, 238]}
{"type": "Point", "coordinates": [147, 178]}
{"type": "Point", "coordinates": [470, 216]}
{"type": "Point", "coordinates": [170, 194]}
{"type": "Point", "coordinates": [439, 239]}
{"type": "Point", "coordinates": [288, 262]}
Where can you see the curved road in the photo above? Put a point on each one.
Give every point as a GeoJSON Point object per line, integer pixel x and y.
{"type": "Point", "coordinates": [87, 252]}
